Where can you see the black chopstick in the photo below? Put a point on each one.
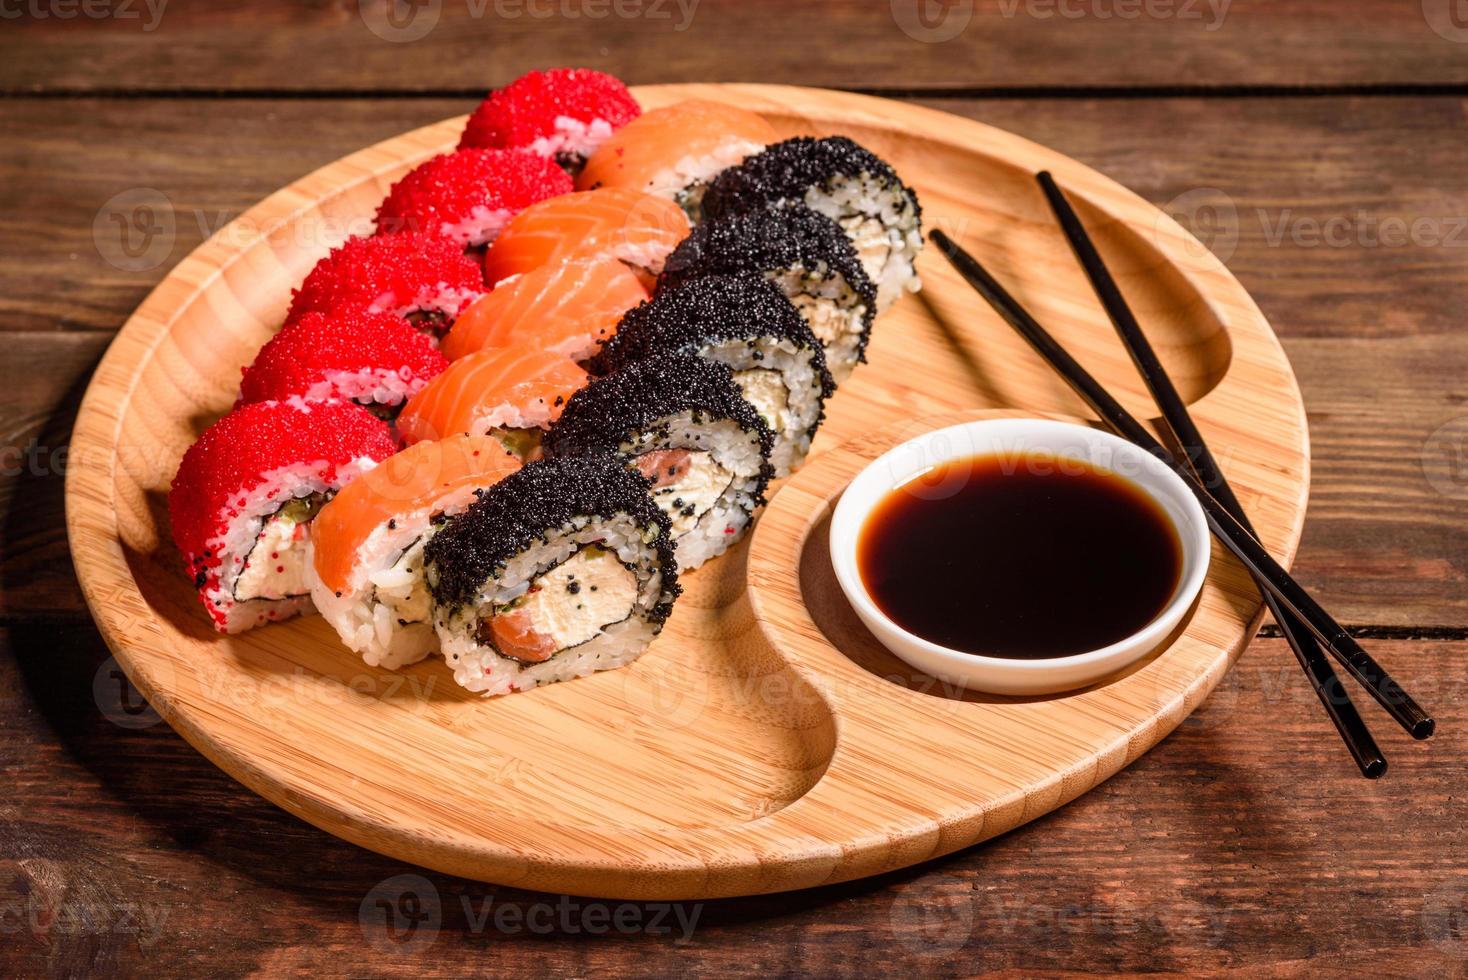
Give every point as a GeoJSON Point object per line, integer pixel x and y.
{"type": "Point", "coordinates": [1268, 572]}
{"type": "Point", "coordinates": [1323, 679]}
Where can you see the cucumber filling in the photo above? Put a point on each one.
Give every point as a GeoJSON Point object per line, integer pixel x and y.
{"type": "Point", "coordinates": [276, 566]}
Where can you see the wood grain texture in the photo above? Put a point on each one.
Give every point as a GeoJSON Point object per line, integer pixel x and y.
{"type": "Point", "coordinates": [1240, 844]}
{"type": "Point", "coordinates": [764, 795]}
{"type": "Point", "coordinates": [460, 45]}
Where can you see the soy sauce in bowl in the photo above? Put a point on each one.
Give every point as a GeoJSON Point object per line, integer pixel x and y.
{"type": "Point", "coordinates": [1022, 557]}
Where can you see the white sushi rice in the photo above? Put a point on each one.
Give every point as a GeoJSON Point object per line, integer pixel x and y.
{"type": "Point", "coordinates": [255, 506]}
{"type": "Point", "coordinates": [883, 226]}
{"type": "Point", "coordinates": [572, 138]}
{"type": "Point", "coordinates": [687, 179]}
{"type": "Point", "coordinates": [481, 227]}
{"type": "Point", "coordinates": [835, 312]}
{"type": "Point", "coordinates": [477, 667]}
{"type": "Point", "coordinates": [794, 419]}
{"type": "Point", "coordinates": [385, 613]}
{"type": "Point", "coordinates": [441, 298]}
{"type": "Point", "coordinates": [732, 448]}
{"type": "Point", "coordinates": [374, 386]}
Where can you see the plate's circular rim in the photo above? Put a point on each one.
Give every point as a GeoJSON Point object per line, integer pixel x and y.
{"type": "Point", "coordinates": [96, 549]}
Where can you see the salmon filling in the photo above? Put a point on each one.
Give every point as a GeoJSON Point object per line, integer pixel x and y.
{"type": "Point", "coordinates": [276, 566]}
{"type": "Point", "coordinates": [686, 483]}
{"type": "Point", "coordinates": [563, 607]}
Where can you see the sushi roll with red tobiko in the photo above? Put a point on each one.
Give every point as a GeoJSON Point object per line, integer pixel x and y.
{"type": "Point", "coordinates": [563, 115]}
{"type": "Point", "coordinates": [468, 196]}
{"type": "Point", "coordinates": [245, 494]}
{"type": "Point", "coordinates": [424, 279]}
{"type": "Point", "coordinates": [374, 359]}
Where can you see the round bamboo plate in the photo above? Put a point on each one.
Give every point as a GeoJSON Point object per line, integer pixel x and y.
{"type": "Point", "coordinates": [764, 742]}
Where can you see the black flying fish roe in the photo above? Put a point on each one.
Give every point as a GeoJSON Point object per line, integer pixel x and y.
{"type": "Point", "coordinates": [785, 171]}
{"type": "Point", "coordinates": [643, 395]}
{"type": "Point", "coordinates": [541, 497]}
{"type": "Point", "coordinates": [771, 241]}
{"type": "Point", "coordinates": [711, 310]}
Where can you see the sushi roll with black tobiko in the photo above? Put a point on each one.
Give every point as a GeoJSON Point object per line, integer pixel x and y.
{"type": "Point", "coordinates": [246, 492]}
{"type": "Point", "coordinates": [469, 195]}
{"type": "Point", "coordinates": [807, 255]}
{"type": "Point", "coordinates": [745, 323]}
{"type": "Point", "coordinates": [848, 184]}
{"type": "Point", "coordinates": [561, 569]}
{"type": "Point", "coordinates": [563, 115]}
{"type": "Point", "coordinates": [374, 359]}
{"type": "Point", "coordinates": [682, 423]}
{"type": "Point", "coordinates": [424, 279]}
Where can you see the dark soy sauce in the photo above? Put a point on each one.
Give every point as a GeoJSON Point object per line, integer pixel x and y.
{"type": "Point", "coordinates": [1019, 556]}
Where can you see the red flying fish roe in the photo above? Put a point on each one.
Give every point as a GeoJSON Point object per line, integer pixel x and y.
{"type": "Point", "coordinates": [562, 114]}
{"type": "Point", "coordinates": [469, 195]}
{"type": "Point", "coordinates": [237, 452]}
{"type": "Point", "coordinates": [348, 354]}
{"type": "Point", "coordinates": [404, 274]}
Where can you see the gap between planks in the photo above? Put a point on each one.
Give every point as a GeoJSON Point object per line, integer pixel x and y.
{"type": "Point", "coordinates": [1048, 92]}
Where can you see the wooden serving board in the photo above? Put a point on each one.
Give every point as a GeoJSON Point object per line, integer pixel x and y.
{"type": "Point", "coordinates": [765, 742]}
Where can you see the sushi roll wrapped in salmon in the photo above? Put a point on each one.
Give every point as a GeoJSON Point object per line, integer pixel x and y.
{"type": "Point", "coordinates": [366, 552]}
{"type": "Point", "coordinates": [676, 151]}
{"type": "Point", "coordinates": [745, 323]}
{"type": "Point", "coordinates": [559, 570]}
{"type": "Point", "coordinates": [511, 393]}
{"type": "Point", "coordinates": [682, 423]}
{"type": "Point", "coordinates": [469, 195]}
{"type": "Point", "coordinates": [807, 255]}
{"type": "Point", "coordinates": [635, 228]}
{"type": "Point", "coordinates": [245, 495]}
{"type": "Point", "coordinates": [569, 308]}
{"type": "Point", "coordinates": [563, 114]}
{"type": "Point", "coordinates": [374, 359]}
{"type": "Point", "coordinates": [848, 184]}
{"type": "Point", "coordinates": [424, 279]}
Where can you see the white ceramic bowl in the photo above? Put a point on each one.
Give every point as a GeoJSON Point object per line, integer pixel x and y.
{"type": "Point", "coordinates": [1010, 437]}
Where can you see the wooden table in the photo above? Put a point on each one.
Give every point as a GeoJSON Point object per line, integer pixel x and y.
{"type": "Point", "coordinates": [1317, 146]}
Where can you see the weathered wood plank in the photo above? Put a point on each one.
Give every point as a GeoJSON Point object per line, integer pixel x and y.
{"type": "Point", "coordinates": [1242, 842]}
{"type": "Point", "coordinates": [1337, 214]}
{"type": "Point", "coordinates": [460, 45]}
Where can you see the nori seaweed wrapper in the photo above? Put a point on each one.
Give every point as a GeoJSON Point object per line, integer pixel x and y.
{"type": "Point", "coordinates": [521, 509]}
{"type": "Point", "coordinates": [640, 396]}
{"type": "Point", "coordinates": [785, 171]}
{"type": "Point", "coordinates": [770, 241]}
{"type": "Point", "coordinates": [681, 320]}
